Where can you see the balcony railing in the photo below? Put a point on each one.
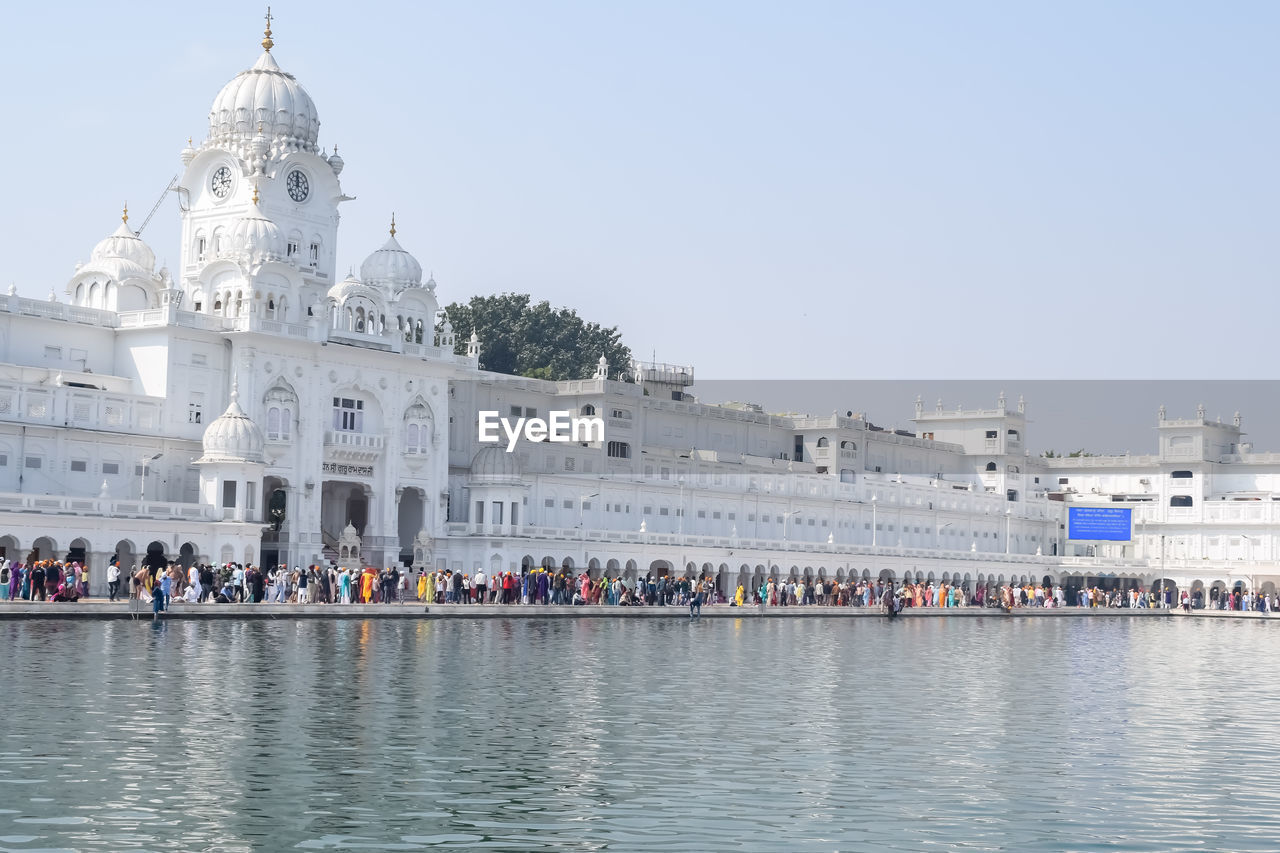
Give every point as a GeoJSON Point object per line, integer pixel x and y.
{"type": "Point", "coordinates": [105, 507]}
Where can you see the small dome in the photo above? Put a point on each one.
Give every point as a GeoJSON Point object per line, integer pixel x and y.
{"type": "Point", "coordinates": [258, 237]}
{"type": "Point", "coordinates": [233, 436]}
{"type": "Point", "coordinates": [268, 96]}
{"type": "Point", "coordinates": [124, 245]}
{"type": "Point", "coordinates": [336, 163]}
{"type": "Point", "coordinates": [493, 465]}
{"type": "Point", "coordinates": [392, 265]}
{"type": "Point", "coordinates": [352, 286]}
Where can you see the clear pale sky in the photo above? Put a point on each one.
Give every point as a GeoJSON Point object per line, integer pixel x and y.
{"type": "Point", "coordinates": [768, 191]}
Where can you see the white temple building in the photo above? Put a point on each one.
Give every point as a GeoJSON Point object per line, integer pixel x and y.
{"type": "Point", "coordinates": [251, 406]}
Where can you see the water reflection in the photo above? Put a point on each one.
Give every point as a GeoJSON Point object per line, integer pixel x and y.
{"type": "Point", "coordinates": [620, 735]}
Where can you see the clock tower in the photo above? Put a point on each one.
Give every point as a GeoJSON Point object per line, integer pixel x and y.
{"type": "Point", "coordinates": [260, 201]}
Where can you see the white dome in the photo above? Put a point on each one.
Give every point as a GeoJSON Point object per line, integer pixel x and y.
{"type": "Point", "coordinates": [352, 286]}
{"type": "Point", "coordinates": [392, 266]}
{"type": "Point", "coordinates": [257, 237]}
{"type": "Point", "coordinates": [124, 245]}
{"type": "Point", "coordinates": [268, 96]}
{"type": "Point", "coordinates": [495, 466]}
{"type": "Point", "coordinates": [233, 436]}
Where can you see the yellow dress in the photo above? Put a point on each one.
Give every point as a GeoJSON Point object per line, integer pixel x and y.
{"type": "Point", "coordinates": [422, 586]}
{"type": "Point", "coordinates": [740, 595]}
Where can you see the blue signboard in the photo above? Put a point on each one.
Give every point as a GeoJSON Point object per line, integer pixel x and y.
{"type": "Point", "coordinates": [1100, 523]}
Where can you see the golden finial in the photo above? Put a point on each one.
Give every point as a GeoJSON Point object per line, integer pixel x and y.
{"type": "Point", "coordinates": [393, 225]}
{"type": "Point", "coordinates": [255, 195]}
{"type": "Point", "coordinates": [267, 43]}
{"type": "Point", "coordinates": [190, 141]}
{"type": "Point", "coordinates": [125, 216]}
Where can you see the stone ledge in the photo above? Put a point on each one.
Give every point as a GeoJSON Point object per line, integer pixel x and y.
{"type": "Point", "coordinates": [180, 610]}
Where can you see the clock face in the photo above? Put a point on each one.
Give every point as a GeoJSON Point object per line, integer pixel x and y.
{"type": "Point", "coordinates": [297, 185]}
{"type": "Point", "coordinates": [220, 183]}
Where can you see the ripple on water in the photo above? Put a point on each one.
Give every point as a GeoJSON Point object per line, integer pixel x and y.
{"type": "Point", "coordinates": [804, 735]}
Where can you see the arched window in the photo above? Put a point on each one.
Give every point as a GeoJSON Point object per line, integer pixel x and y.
{"type": "Point", "coordinates": [217, 304]}
{"type": "Point", "coordinates": [991, 466]}
{"type": "Point", "coordinates": [419, 427]}
{"type": "Point", "coordinates": [822, 442]}
{"type": "Point", "coordinates": [359, 320]}
{"type": "Point", "coordinates": [417, 332]}
{"type": "Point", "coordinates": [588, 410]}
{"type": "Point", "coordinates": [848, 445]}
{"type": "Point", "coordinates": [239, 303]}
{"type": "Point", "coordinates": [281, 404]}
{"type": "Point", "coordinates": [271, 307]}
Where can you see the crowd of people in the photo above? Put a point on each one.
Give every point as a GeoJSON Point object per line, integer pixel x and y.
{"type": "Point", "coordinates": [57, 580]}
{"type": "Point", "coordinates": [43, 580]}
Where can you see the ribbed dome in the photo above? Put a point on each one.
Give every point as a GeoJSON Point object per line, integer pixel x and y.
{"type": "Point", "coordinates": [391, 266]}
{"type": "Point", "coordinates": [124, 245]}
{"type": "Point", "coordinates": [352, 286]}
{"type": "Point", "coordinates": [258, 237]}
{"type": "Point", "coordinates": [233, 436]}
{"type": "Point", "coordinates": [493, 465]}
{"type": "Point", "coordinates": [268, 96]}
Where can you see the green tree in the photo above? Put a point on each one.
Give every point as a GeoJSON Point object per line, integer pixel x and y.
{"type": "Point", "coordinates": [525, 338]}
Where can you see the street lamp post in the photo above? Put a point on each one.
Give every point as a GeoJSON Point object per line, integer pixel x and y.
{"type": "Point", "coordinates": [146, 466]}
{"type": "Point", "coordinates": [786, 516]}
{"type": "Point", "coordinates": [937, 537]}
{"type": "Point", "coordinates": [873, 520]}
{"type": "Point", "coordinates": [680, 511]}
{"type": "Point", "coordinates": [1162, 572]}
{"type": "Point", "coordinates": [1253, 581]}
{"type": "Point", "coordinates": [581, 500]}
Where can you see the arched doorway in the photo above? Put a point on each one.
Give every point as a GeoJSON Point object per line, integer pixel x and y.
{"type": "Point", "coordinates": [78, 551]}
{"type": "Point", "coordinates": [126, 556]}
{"type": "Point", "coordinates": [43, 548]}
{"type": "Point", "coordinates": [155, 558]}
{"type": "Point", "coordinates": [411, 519]}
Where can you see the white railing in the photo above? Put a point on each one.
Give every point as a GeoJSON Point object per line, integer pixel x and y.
{"type": "Point", "coordinates": [658, 371]}
{"type": "Point", "coordinates": [104, 507]}
{"type": "Point", "coordinates": [338, 438]}
{"type": "Point", "coordinates": [563, 536]}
